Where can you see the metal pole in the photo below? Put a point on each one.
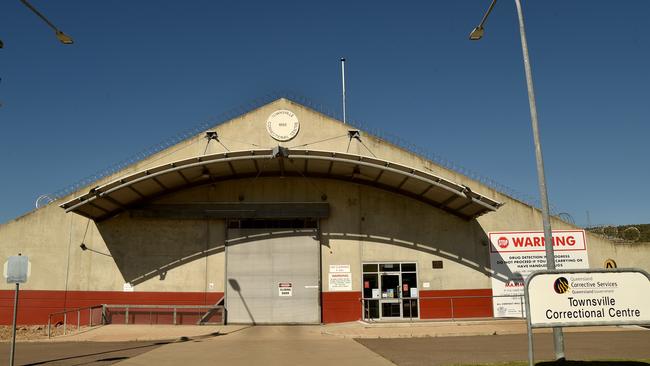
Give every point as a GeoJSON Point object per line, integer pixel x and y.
{"type": "Point", "coordinates": [529, 328]}
{"type": "Point", "coordinates": [343, 84]}
{"type": "Point", "coordinates": [487, 13]}
{"type": "Point", "coordinates": [13, 337]}
{"type": "Point", "coordinates": [558, 337]}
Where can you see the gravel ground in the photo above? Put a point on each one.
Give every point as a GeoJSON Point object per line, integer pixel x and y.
{"type": "Point", "coordinates": [32, 332]}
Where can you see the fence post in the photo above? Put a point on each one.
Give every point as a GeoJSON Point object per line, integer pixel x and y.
{"type": "Point", "coordinates": [78, 319]}
{"type": "Point", "coordinates": [126, 315]}
{"type": "Point", "coordinates": [366, 313]}
{"type": "Point", "coordinates": [104, 319]}
{"type": "Point", "coordinates": [49, 325]}
{"type": "Point", "coordinates": [65, 322]}
{"type": "Point", "coordinates": [90, 317]}
{"type": "Point", "coordinates": [452, 308]}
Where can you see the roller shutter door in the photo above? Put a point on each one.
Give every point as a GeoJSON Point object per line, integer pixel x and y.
{"type": "Point", "coordinates": [261, 263]}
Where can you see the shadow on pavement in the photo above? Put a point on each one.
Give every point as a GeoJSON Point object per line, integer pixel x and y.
{"type": "Point", "coordinates": [144, 348]}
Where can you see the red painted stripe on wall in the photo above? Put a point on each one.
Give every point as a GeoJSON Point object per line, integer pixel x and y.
{"type": "Point", "coordinates": [339, 307]}
{"type": "Point", "coordinates": [34, 306]}
{"type": "Point", "coordinates": [447, 304]}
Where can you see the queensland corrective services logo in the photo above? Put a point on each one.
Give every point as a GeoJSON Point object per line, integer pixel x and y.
{"type": "Point", "coordinates": [561, 285]}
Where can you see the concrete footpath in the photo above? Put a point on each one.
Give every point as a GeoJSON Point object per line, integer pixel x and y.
{"type": "Point", "coordinates": [264, 345]}
{"type": "Point", "coordinates": [449, 329]}
{"type": "Point", "coordinates": [123, 333]}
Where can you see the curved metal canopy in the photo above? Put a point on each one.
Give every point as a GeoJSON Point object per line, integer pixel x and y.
{"type": "Point", "coordinates": [105, 201]}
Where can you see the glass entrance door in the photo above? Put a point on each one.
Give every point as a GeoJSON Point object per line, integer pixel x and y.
{"type": "Point", "coordinates": [390, 291]}
{"type": "Point", "coordinates": [390, 296]}
{"type": "Point", "coordinates": [371, 295]}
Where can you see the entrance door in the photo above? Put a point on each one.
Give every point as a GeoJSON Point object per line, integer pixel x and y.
{"type": "Point", "coordinates": [390, 304]}
{"type": "Point", "coordinates": [390, 290]}
{"type": "Point", "coordinates": [272, 276]}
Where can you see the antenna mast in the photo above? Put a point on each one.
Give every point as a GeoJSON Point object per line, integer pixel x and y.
{"type": "Point", "coordinates": [343, 84]}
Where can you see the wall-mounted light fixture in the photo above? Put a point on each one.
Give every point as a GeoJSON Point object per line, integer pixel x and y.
{"type": "Point", "coordinates": [84, 248]}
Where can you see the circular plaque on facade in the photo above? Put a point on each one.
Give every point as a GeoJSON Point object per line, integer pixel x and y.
{"type": "Point", "coordinates": [282, 125]}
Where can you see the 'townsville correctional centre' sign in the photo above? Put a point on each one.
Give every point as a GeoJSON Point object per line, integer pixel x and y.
{"type": "Point", "coordinates": [579, 298]}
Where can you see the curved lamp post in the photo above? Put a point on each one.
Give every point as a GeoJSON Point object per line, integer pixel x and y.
{"type": "Point", "coordinates": [475, 35]}
{"type": "Point", "coordinates": [62, 37]}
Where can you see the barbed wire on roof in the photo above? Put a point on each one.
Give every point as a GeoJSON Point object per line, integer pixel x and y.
{"type": "Point", "coordinates": [321, 108]}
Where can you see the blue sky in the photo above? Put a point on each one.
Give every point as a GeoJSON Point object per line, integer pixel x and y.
{"type": "Point", "coordinates": [139, 72]}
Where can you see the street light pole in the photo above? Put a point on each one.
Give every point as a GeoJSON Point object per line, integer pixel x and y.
{"type": "Point", "coordinates": [558, 335]}
{"type": "Point", "coordinates": [62, 37]}
{"type": "Point", "coordinates": [476, 34]}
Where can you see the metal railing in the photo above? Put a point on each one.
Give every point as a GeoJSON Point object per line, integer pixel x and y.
{"type": "Point", "coordinates": [155, 312]}
{"type": "Point", "coordinates": [75, 319]}
{"type": "Point", "coordinates": [79, 317]}
{"type": "Point", "coordinates": [455, 306]}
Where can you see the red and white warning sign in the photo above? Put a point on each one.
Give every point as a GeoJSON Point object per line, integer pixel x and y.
{"type": "Point", "coordinates": [285, 289]}
{"type": "Point", "coordinates": [516, 254]}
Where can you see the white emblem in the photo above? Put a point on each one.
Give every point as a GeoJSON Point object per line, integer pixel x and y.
{"type": "Point", "coordinates": [282, 125]}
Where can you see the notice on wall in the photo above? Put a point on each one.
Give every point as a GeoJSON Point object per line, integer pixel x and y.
{"type": "Point", "coordinates": [127, 287]}
{"type": "Point", "coordinates": [340, 281]}
{"type": "Point", "coordinates": [589, 298]}
{"type": "Point", "coordinates": [339, 268]}
{"type": "Point", "coordinates": [516, 254]}
{"type": "Point", "coordinates": [285, 289]}
{"type": "Point", "coordinates": [16, 269]}
{"type": "Point", "coordinates": [340, 277]}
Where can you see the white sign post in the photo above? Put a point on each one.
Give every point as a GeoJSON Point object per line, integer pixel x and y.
{"type": "Point", "coordinates": [571, 298]}
{"type": "Point", "coordinates": [514, 255]}
{"type": "Point", "coordinates": [16, 271]}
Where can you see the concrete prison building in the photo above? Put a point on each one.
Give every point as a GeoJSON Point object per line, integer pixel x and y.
{"type": "Point", "coordinates": [285, 215]}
